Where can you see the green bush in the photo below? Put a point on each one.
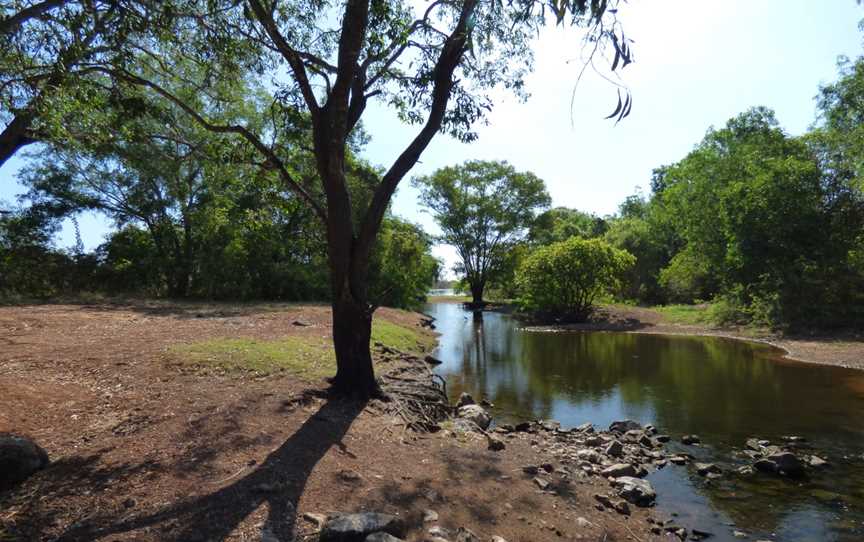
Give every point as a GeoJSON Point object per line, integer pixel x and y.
{"type": "Point", "coordinates": [562, 280]}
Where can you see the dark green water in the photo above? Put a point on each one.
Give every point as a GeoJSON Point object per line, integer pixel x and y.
{"type": "Point", "coordinates": [723, 390]}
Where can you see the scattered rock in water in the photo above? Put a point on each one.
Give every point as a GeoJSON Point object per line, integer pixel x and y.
{"type": "Point", "coordinates": [635, 490]}
{"type": "Point", "coordinates": [476, 414]}
{"type": "Point", "coordinates": [690, 439]}
{"type": "Point", "coordinates": [679, 459]}
{"type": "Point", "coordinates": [619, 469]}
{"type": "Point", "coordinates": [622, 426]}
{"type": "Point", "coordinates": [817, 462]}
{"type": "Point", "coordinates": [20, 457]}
{"type": "Point", "coordinates": [707, 468]}
{"type": "Point", "coordinates": [465, 399]}
{"type": "Point", "coordinates": [783, 463]}
{"type": "Point", "coordinates": [356, 527]}
{"type": "Point", "coordinates": [662, 438]}
{"type": "Point", "coordinates": [697, 534]}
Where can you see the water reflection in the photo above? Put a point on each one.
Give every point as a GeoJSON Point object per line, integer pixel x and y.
{"type": "Point", "coordinates": [723, 390]}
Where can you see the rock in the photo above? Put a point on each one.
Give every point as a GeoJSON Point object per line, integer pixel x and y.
{"type": "Point", "coordinates": [382, 537]}
{"type": "Point", "coordinates": [299, 323]}
{"type": "Point", "coordinates": [647, 442]}
{"type": "Point", "coordinates": [621, 507]}
{"type": "Point", "coordinates": [476, 414]}
{"type": "Point", "coordinates": [541, 483]}
{"type": "Point", "coordinates": [495, 444]}
{"type": "Point", "coordinates": [465, 399]}
{"type": "Point", "coordinates": [605, 500]}
{"type": "Point", "coordinates": [785, 463]}
{"type": "Point", "coordinates": [690, 439]}
{"type": "Point", "coordinates": [465, 535]}
{"type": "Point", "coordinates": [816, 462]}
{"type": "Point", "coordinates": [430, 516]}
{"type": "Point", "coordinates": [505, 428]}
{"type": "Point", "coordinates": [431, 360]}
{"type": "Point", "coordinates": [745, 470]}
{"type": "Point", "coordinates": [619, 469]}
{"type": "Point", "coordinates": [356, 527]}
{"type": "Point", "coordinates": [697, 534]}
{"type": "Point", "coordinates": [754, 445]}
{"type": "Point", "coordinates": [593, 441]}
{"type": "Point", "coordinates": [20, 457]}
{"type": "Point", "coordinates": [633, 435]}
{"type": "Point", "coordinates": [317, 519]}
{"type": "Point", "coordinates": [523, 427]}
{"type": "Point", "coordinates": [635, 490]}
{"type": "Point", "coordinates": [349, 476]}
{"type": "Point", "coordinates": [498, 539]}
{"type": "Point", "coordinates": [550, 425]}
{"type": "Point", "coordinates": [531, 469]}
{"type": "Point", "coordinates": [793, 438]}
{"type": "Point", "coordinates": [582, 522]}
{"type": "Point", "coordinates": [706, 468]}
{"type": "Point", "coordinates": [622, 426]}
{"type": "Point", "coordinates": [679, 459]}
{"type": "Point", "coordinates": [587, 454]}
{"type": "Point", "coordinates": [486, 403]}
{"type": "Point", "coordinates": [548, 467]}
{"type": "Point", "coordinates": [739, 534]}
{"type": "Point", "coordinates": [662, 438]}
{"type": "Point", "coordinates": [439, 532]}
{"type": "Point", "coordinates": [586, 427]}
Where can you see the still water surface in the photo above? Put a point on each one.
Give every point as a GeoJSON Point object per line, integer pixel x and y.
{"type": "Point", "coordinates": [723, 390]}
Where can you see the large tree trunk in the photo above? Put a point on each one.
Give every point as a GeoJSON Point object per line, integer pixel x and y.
{"type": "Point", "coordinates": [352, 331]}
{"type": "Point", "coordinates": [477, 295]}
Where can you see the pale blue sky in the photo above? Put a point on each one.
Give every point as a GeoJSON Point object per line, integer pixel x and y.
{"type": "Point", "coordinates": [698, 64]}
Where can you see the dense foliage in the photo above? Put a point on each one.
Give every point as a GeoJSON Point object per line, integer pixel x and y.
{"type": "Point", "coordinates": [564, 279]}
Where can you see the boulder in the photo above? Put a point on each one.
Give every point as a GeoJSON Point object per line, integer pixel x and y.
{"type": "Point", "coordinates": [622, 426]}
{"type": "Point", "coordinates": [465, 399]}
{"type": "Point", "coordinates": [787, 463]}
{"type": "Point", "coordinates": [356, 527]}
{"type": "Point", "coordinates": [619, 469]}
{"type": "Point", "coordinates": [753, 444]}
{"type": "Point", "coordinates": [20, 457]}
{"type": "Point", "coordinates": [476, 414]}
{"type": "Point", "coordinates": [615, 449]}
{"type": "Point", "coordinates": [635, 490]}
{"type": "Point", "coordinates": [589, 455]}
{"type": "Point", "coordinates": [662, 438]}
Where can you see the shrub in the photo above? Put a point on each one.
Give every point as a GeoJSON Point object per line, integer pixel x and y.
{"type": "Point", "coordinates": [563, 279]}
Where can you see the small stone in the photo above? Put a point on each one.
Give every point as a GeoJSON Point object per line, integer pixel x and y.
{"type": "Point", "coordinates": [351, 527]}
{"type": "Point", "coordinates": [679, 459]}
{"type": "Point", "coordinates": [541, 483]}
{"type": "Point", "coordinates": [523, 427]}
{"type": "Point", "coordinates": [705, 468]}
{"type": "Point", "coordinates": [621, 507]}
{"type": "Point", "coordinates": [605, 500]}
{"type": "Point", "coordinates": [697, 534]}
{"type": "Point", "coordinates": [317, 519]}
{"type": "Point", "coordinates": [586, 427]}
{"type": "Point", "coordinates": [465, 535]}
{"type": "Point", "coordinates": [531, 469]}
{"type": "Point", "coordinates": [438, 531]}
{"type": "Point", "coordinates": [754, 445]}
{"type": "Point", "coordinates": [623, 426]}
{"type": "Point", "coordinates": [582, 522]}
{"type": "Point", "coordinates": [593, 441]}
{"type": "Point", "coordinates": [498, 539]}
{"type": "Point", "coordinates": [635, 490]}
{"type": "Point", "coordinates": [619, 469]}
{"type": "Point", "coordinates": [690, 439]}
{"type": "Point", "coordinates": [615, 449]}
{"type": "Point", "coordinates": [739, 534]}
{"type": "Point", "coordinates": [476, 414]}
{"type": "Point", "coordinates": [430, 516]}
{"type": "Point", "coordinates": [745, 470]}
{"type": "Point", "coordinates": [349, 476]}
{"type": "Point", "coordinates": [495, 444]}
{"type": "Point", "coordinates": [550, 425]}
{"type": "Point", "coordinates": [548, 467]}
{"type": "Point", "coordinates": [816, 462]}
{"type": "Point", "coordinates": [129, 503]}
{"type": "Point", "coordinates": [465, 399]}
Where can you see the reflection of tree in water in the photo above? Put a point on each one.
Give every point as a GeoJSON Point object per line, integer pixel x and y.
{"type": "Point", "coordinates": [723, 390]}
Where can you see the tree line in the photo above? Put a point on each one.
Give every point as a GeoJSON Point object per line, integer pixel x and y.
{"type": "Point", "coordinates": [767, 227]}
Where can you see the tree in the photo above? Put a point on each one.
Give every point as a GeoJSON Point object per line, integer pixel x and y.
{"type": "Point", "coordinates": [483, 209]}
{"type": "Point", "coordinates": [47, 48]}
{"type": "Point", "coordinates": [562, 280]}
{"type": "Point", "coordinates": [327, 61]}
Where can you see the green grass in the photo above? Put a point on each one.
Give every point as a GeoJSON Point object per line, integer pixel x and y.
{"type": "Point", "coordinates": [685, 314]}
{"type": "Point", "coordinates": [310, 358]}
{"type": "Point", "coordinates": [401, 338]}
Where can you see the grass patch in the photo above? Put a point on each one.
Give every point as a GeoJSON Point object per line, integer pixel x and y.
{"type": "Point", "coordinates": [686, 314]}
{"type": "Point", "coordinates": [401, 338]}
{"type": "Point", "coordinates": [310, 358]}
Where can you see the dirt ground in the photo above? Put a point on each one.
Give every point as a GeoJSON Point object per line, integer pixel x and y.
{"type": "Point", "coordinates": [844, 349]}
{"type": "Point", "coordinates": [145, 448]}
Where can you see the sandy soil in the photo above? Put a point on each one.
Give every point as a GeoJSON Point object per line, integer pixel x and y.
{"type": "Point", "coordinates": [144, 448]}
{"type": "Point", "coordinates": [843, 349]}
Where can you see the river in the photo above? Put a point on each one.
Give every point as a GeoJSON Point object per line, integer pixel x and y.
{"type": "Point", "coordinates": [722, 390]}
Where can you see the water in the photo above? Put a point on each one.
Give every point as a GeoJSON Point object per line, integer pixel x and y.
{"type": "Point", "coordinates": [723, 390]}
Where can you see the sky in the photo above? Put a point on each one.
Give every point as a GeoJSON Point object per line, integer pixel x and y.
{"type": "Point", "coordinates": [698, 63]}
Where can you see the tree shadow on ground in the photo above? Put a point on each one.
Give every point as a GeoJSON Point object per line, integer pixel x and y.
{"type": "Point", "coordinates": [278, 482]}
